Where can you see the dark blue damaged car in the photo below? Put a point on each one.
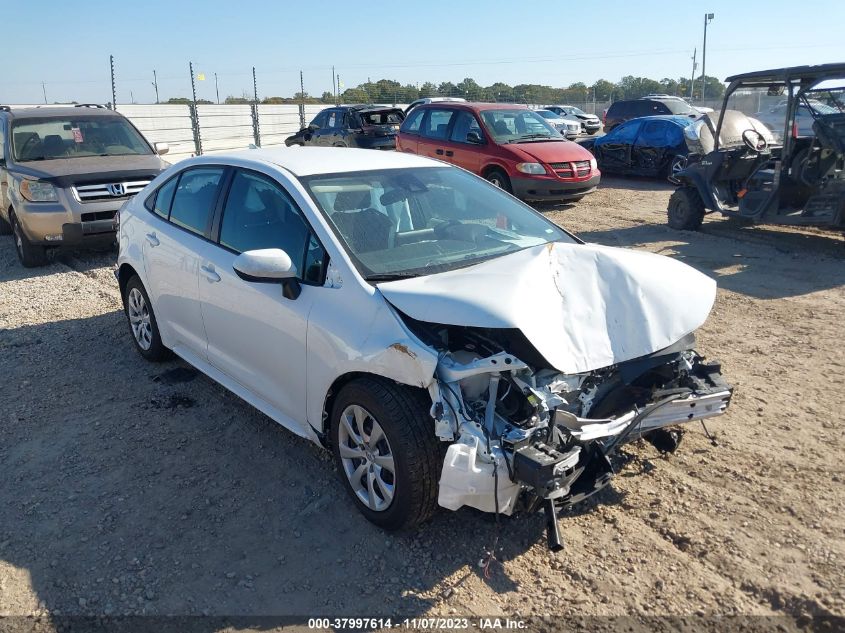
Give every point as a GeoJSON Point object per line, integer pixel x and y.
{"type": "Point", "coordinates": [647, 146]}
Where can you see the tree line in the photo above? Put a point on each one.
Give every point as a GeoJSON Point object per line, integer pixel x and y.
{"type": "Point", "coordinates": [390, 91]}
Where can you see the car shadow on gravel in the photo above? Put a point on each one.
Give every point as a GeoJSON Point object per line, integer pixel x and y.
{"type": "Point", "coordinates": [754, 261]}
{"type": "Point", "coordinates": [136, 488]}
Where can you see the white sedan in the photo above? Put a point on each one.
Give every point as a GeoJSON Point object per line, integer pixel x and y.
{"type": "Point", "coordinates": [448, 343]}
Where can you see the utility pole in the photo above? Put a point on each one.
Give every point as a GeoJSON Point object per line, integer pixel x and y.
{"type": "Point", "coordinates": [216, 89]}
{"type": "Point", "coordinates": [708, 17]}
{"type": "Point", "coordinates": [113, 89]}
{"type": "Point", "coordinates": [131, 97]}
{"type": "Point", "coordinates": [302, 101]}
{"type": "Point", "coordinates": [334, 85]}
{"type": "Point", "coordinates": [338, 90]}
{"type": "Point", "coordinates": [44, 90]}
{"type": "Point", "coordinates": [692, 75]}
{"type": "Point", "coordinates": [155, 84]}
{"type": "Point", "coordinates": [195, 120]}
{"type": "Point", "coordinates": [254, 86]}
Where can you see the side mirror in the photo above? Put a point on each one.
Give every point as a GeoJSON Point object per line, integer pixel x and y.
{"type": "Point", "coordinates": [268, 265]}
{"type": "Point", "coordinates": [474, 138]}
{"type": "Point", "coordinates": [161, 148]}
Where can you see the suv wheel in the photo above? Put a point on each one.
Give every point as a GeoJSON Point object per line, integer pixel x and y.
{"type": "Point", "coordinates": [385, 450]}
{"type": "Point", "coordinates": [5, 227]}
{"type": "Point", "coordinates": [31, 255]}
{"type": "Point", "coordinates": [500, 179]}
{"type": "Point", "coordinates": [686, 209]}
{"type": "Point", "coordinates": [142, 322]}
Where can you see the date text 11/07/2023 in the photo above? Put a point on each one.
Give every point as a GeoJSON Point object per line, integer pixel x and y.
{"type": "Point", "coordinates": [423, 623]}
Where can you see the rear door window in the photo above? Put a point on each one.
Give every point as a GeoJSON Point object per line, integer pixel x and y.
{"type": "Point", "coordinates": [164, 198]}
{"type": "Point", "coordinates": [436, 124]}
{"type": "Point", "coordinates": [465, 122]}
{"type": "Point", "coordinates": [627, 132]}
{"type": "Point", "coordinates": [193, 201]}
{"type": "Point", "coordinates": [653, 134]}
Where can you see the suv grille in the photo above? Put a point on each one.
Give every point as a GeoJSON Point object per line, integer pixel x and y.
{"type": "Point", "coordinates": [578, 169]}
{"type": "Point", "coordinates": [109, 191]}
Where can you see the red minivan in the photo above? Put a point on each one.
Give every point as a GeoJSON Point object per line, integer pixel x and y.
{"type": "Point", "coordinates": [509, 145]}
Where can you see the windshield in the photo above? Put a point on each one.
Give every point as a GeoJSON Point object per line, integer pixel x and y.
{"type": "Point", "coordinates": [506, 126]}
{"type": "Point", "coordinates": [676, 106]}
{"type": "Point", "coordinates": [574, 110]}
{"type": "Point", "coordinates": [399, 223]}
{"type": "Point", "coordinates": [72, 137]}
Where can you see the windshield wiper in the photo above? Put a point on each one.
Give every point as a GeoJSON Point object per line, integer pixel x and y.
{"type": "Point", "coordinates": [528, 137]}
{"type": "Point", "coordinates": [390, 276]}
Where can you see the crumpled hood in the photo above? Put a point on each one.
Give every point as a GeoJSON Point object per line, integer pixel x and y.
{"type": "Point", "coordinates": [583, 306]}
{"type": "Point", "coordinates": [557, 151]}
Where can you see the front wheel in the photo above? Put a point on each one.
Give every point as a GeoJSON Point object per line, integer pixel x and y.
{"type": "Point", "coordinates": [686, 209]}
{"type": "Point", "coordinates": [142, 322]}
{"type": "Point", "coordinates": [385, 450]}
{"type": "Point", "coordinates": [500, 179]}
{"type": "Point", "coordinates": [30, 255]}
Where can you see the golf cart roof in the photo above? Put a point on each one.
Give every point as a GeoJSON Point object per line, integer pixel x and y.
{"type": "Point", "coordinates": [806, 73]}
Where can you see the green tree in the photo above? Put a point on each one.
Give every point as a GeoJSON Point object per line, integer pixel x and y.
{"type": "Point", "coordinates": [603, 90]}
{"type": "Point", "coordinates": [447, 89]}
{"type": "Point", "coordinates": [428, 89]}
{"type": "Point", "coordinates": [499, 92]}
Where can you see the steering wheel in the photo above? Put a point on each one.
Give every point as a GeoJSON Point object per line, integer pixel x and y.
{"type": "Point", "coordinates": [755, 141]}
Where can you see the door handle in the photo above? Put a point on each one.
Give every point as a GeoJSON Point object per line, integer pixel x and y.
{"type": "Point", "coordinates": [152, 239]}
{"type": "Point", "coordinates": [449, 152]}
{"type": "Point", "coordinates": [439, 152]}
{"type": "Point", "coordinates": [210, 273]}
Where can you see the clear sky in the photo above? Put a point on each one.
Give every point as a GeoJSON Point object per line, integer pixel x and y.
{"type": "Point", "coordinates": [67, 44]}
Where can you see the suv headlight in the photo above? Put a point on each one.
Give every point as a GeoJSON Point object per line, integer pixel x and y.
{"type": "Point", "coordinates": [38, 191]}
{"type": "Point", "coordinates": [530, 168]}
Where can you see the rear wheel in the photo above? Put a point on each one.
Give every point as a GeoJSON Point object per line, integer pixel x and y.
{"type": "Point", "coordinates": [686, 209]}
{"type": "Point", "coordinates": [385, 450]}
{"type": "Point", "coordinates": [31, 255]}
{"type": "Point", "coordinates": [500, 179]}
{"type": "Point", "coordinates": [675, 165]}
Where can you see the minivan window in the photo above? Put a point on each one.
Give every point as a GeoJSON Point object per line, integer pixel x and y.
{"type": "Point", "coordinates": [437, 123]}
{"type": "Point", "coordinates": [193, 201]}
{"type": "Point", "coordinates": [465, 123]}
{"type": "Point", "coordinates": [75, 137]}
{"type": "Point", "coordinates": [517, 124]}
{"type": "Point", "coordinates": [412, 122]}
{"type": "Point", "coordinates": [259, 214]}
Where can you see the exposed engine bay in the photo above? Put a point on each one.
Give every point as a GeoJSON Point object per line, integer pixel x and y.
{"type": "Point", "coordinates": [524, 436]}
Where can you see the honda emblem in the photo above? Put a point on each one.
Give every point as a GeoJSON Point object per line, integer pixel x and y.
{"type": "Point", "coordinates": [117, 189]}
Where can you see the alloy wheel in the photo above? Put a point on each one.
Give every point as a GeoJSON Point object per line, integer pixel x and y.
{"type": "Point", "coordinates": [139, 319]}
{"type": "Point", "coordinates": [679, 163]}
{"type": "Point", "coordinates": [367, 458]}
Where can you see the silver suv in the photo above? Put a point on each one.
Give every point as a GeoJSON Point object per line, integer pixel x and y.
{"type": "Point", "coordinates": [64, 173]}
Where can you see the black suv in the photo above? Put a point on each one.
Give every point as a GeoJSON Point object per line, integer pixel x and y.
{"type": "Point", "coordinates": [364, 126]}
{"type": "Point", "coordinates": [621, 111]}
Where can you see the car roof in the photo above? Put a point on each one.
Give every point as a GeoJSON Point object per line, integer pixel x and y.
{"type": "Point", "coordinates": [309, 161]}
{"type": "Point", "coordinates": [819, 71]}
{"type": "Point", "coordinates": [474, 106]}
{"type": "Point", "coordinates": [679, 119]}
{"type": "Point", "coordinates": [58, 112]}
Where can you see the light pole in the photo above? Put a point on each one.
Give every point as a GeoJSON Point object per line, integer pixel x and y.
{"type": "Point", "coordinates": [692, 75]}
{"type": "Point", "coordinates": [708, 17]}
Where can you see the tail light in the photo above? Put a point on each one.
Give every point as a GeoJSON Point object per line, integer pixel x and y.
{"type": "Point", "coordinates": [795, 129]}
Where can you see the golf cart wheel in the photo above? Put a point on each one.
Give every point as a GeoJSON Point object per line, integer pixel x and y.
{"type": "Point", "coordinates": [686, 209]}
{"type": "Point", "coordinates": [500, 179]}
{"type": "Point", "coordinates": [30, 255]}
{"type": "Point", "coordinates": [387, 456]}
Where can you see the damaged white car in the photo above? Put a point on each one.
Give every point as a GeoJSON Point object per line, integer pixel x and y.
{"type": "Point", "coordinates": [448, 343]}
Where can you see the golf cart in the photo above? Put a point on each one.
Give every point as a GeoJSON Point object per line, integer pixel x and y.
{"type": "Point", "coordinates": [775, 153]}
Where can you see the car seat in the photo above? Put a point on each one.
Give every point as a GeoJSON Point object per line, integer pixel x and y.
{"type": "Point", "coordinates": [501, 128]}
{"type": "Point", "coordinates": [365, 229]}
{"type": "Point", "coordinates": [53, 146]}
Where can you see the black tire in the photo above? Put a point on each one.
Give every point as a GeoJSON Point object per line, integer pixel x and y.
{"type": "Point", "coordinates": [500, 179]}
{"type": "Point", "coordinates": [5, 227]}
{"type": "Point", "coordinates": [686, 209]}
{"type": "Point", "coordinates": [674, 164]}
{"type": "Point", "coordinates": [156, 352]}
{"type": "Point", "coordinates": [403, 414]}
{"type": "Point", "coordinates": [30, 255]}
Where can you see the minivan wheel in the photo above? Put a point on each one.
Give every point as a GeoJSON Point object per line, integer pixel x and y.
{"type": "Point", "coordinates": [30, 255]}
{"type": "Point", "coordinates": [385, 451]}
{"type": "Point", "coordinates": [142, 322]}
{"type": "Point", "coordinates": [500, 179]}
{"type": "Point", "coordinates": [686, 209]}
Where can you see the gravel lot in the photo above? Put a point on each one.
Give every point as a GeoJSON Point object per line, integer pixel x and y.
{"type": "Point", "coordinates": [131, 488]}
